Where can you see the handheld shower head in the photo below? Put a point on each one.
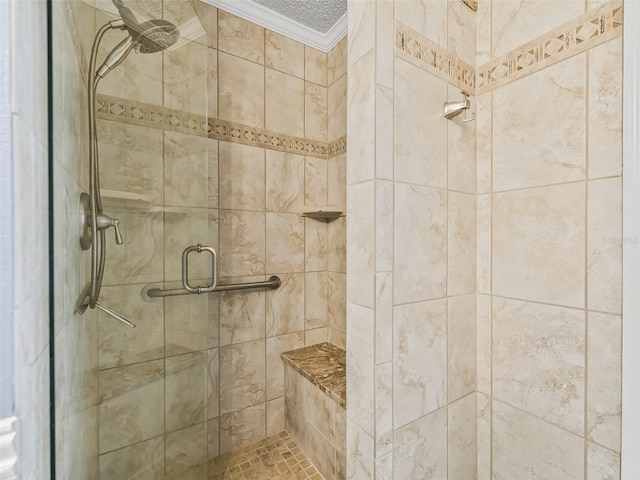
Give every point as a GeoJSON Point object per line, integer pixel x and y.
{"type": "Point", "coordinates": [149, 37]}
{"type": "Point", "coordinates": [116, 57]}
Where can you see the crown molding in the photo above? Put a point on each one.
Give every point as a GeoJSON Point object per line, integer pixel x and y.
{"type": "Point", "coordinates": [278, 23]}
{"type": "Point", "coordinates": [8, 454]}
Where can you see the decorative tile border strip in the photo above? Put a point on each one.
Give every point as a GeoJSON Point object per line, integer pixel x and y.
{"type": "Point", "coordinates": [425, 54]}
{"type": "Point", "coordinates": [153, 116]}
{"type": "Point", "coordinates": [577, 36]}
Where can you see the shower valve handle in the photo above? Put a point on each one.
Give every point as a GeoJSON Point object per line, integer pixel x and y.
{"type": "Point", "coordinates": [105, 222]}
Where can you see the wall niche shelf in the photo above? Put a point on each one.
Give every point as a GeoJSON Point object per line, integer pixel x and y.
{"type": "Point", "coordinates": [117, 199]}
{"type": "Point", "coordinates": [323, 213]}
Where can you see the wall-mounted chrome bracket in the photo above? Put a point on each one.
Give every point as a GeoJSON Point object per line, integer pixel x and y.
{"type": "Point", "coordinates": [83, 301]}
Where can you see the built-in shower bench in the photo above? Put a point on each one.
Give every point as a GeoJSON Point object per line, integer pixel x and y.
{"type": "Point", "coordinates": [315, 401]}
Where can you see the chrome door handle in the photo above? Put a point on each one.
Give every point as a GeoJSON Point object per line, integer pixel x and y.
{"type": "Point", "coordinates": [185, 269]}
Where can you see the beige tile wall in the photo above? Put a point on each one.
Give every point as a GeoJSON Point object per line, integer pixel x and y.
{"type": "Point", "coordinates": [209, 367]}
{"type": "Point", "coordinates": [317, 423]}
{"type": "Point", "coordinates": [484, 259]}
{"type": "Point", "coordinates": [412, 252]}
{"type": "Point", "coordinates": [549, 259]}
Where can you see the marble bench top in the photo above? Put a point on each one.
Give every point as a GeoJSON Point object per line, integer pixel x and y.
{"type": "Point", "coordinates": [324, 365]}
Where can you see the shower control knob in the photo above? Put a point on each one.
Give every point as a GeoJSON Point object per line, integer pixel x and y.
{"type": "Point", "coordinates": [105, 222]}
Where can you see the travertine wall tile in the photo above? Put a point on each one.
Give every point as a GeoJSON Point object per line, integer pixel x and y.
{"type": "Point", "coordinates": [418, 448]}
{"type": "Point", "coordinates": [418, 159]}
{"type": "Point", "coordinates": [461, 245]}
{"type": "Point", "coordinates": [213, 384]}
{"type": "Point", "coordinates": [121, 345]}
{"type": "Point", "coordinates": [360, 355]}
{"type": "Point", "coordinates": [186, 324]}
{"type": "Point", "coordinates": [284, 54]}
{"type": "Point", "coordinates": [462, 438]}
{"type": "Point", "coordinates": [516, 23]}
{"type": "Point", "coordinates": [285, 242]}
{"type": "Point", "coordinates": [361, 455]}
{"type": "Point", "coordinates": [212, 83]}
{"type": "Point", "coordinates": [286, 306]}
{"type": "Point", "coordinates": [275, 416]}
{"type": "Point", "coordinates": [483, 436]}
{"type": "Point", "coordinates": [275, 367]}
{"type": "Point", "coordinates": [604, 365]}
{"type": "Point", "coordinates": [361, 105]}
{"type": "Point", "coordinates": [420, 374]}
{"type": "Point", "coordinates": [185, 78]}
{"type": "Point", "coordinates": [602, 464]}
{"type": "Point", "coordinates": [420, 260]}
{"type": "Point", "coordinates": [284, 103]}
{"type": "Point", "coordinates": [461, 31]}
{"type": "Point", "coordinates": [240, 37]}
{"type": "Point", "coordinates": [185, 170]}
{"type": "Point", "coordinates": [461, 146]}
{"type": "Point", "coordinates": [284, 182]}
{"type": "Point", "coordinates": [315, 66]}
{"type": "Point", "coordinates": [461, 349]}
{"type": "Point", "coordinates": [242, 243]}
{"type": "Point", "coordinates": [144, 460]}
{"type": "Point", "coordinates": [130, 150]}
{"type": "Point", "coordinates": [524, 445]}
{"type": "Point", "coordinates": [526, 264]}
{"type": "Point", "coordinates": [208, 17]}
{"type": "Point", "coordinates": [183, 226]}
{"type": "Point", "coordinates": [483, 339]}
{"type": "Point", "coordinates": [185, 390]}
{"type": "Point", "coordinates": [131, 404]}
{"type": "Point", "coordinates": [337, 61]}
{"type": "Point", "coordinates": [484, 137]}
{"type": "Point", "coordinates": [526, 151]}
{"type": "Point", "coordinates": [360, 257]}
{"type": "Point", "coordinates": [316, 299]}
{"type": "Point", "coordinates": [361, 32]}
{"type": "Point", "coordinates": [242, 176]}
{"type": "Point", "coordinates": [242, 428]}
{"type": "Point", "coordinates": [240, 90]}
{"type": "Point", "coordinates": [242, 380]}
{"type": "Point", "coordinates": [538, 360]}
{"type": "Point", "coordinates": [241, 315]}
{"type": "Point", "coordinates": [605, 110]}
{"type": "Point", "coordinates": [185, 450]}
{"type": "Point", "coordinates": [427, 17]}
{"type": "Point", "coordinates": [604, 245]}
{"type": "Point", "coordinates": [337, 108]}
{"type": "Point", "coordinates": [316, 119]}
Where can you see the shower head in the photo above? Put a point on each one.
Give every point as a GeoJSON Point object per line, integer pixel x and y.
{"type": "Point", "coordinates": [149, 37]}
{"type": "Point", "coordinates": [453, 109]}
{"type": "Point", "coordinates": [155, 36]}
{"type": "Point", "coordinates": [152, 36]}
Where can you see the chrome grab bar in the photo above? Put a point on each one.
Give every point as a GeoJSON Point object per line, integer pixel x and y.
{"type": "Point", "coordinates": [185, 269]}
{"type": "Point", "coordinates": [152, 291]}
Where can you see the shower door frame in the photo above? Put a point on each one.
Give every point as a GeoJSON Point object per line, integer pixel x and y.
{"type": "Point", "coordinates": [631, 244]}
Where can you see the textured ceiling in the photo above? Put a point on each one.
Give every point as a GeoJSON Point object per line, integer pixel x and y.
{"type": "Point", "coordinates": [318, 15]}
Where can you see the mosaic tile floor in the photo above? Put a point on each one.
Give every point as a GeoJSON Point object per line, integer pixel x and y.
{"type": "Point", "coordinates": [274, 458]}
